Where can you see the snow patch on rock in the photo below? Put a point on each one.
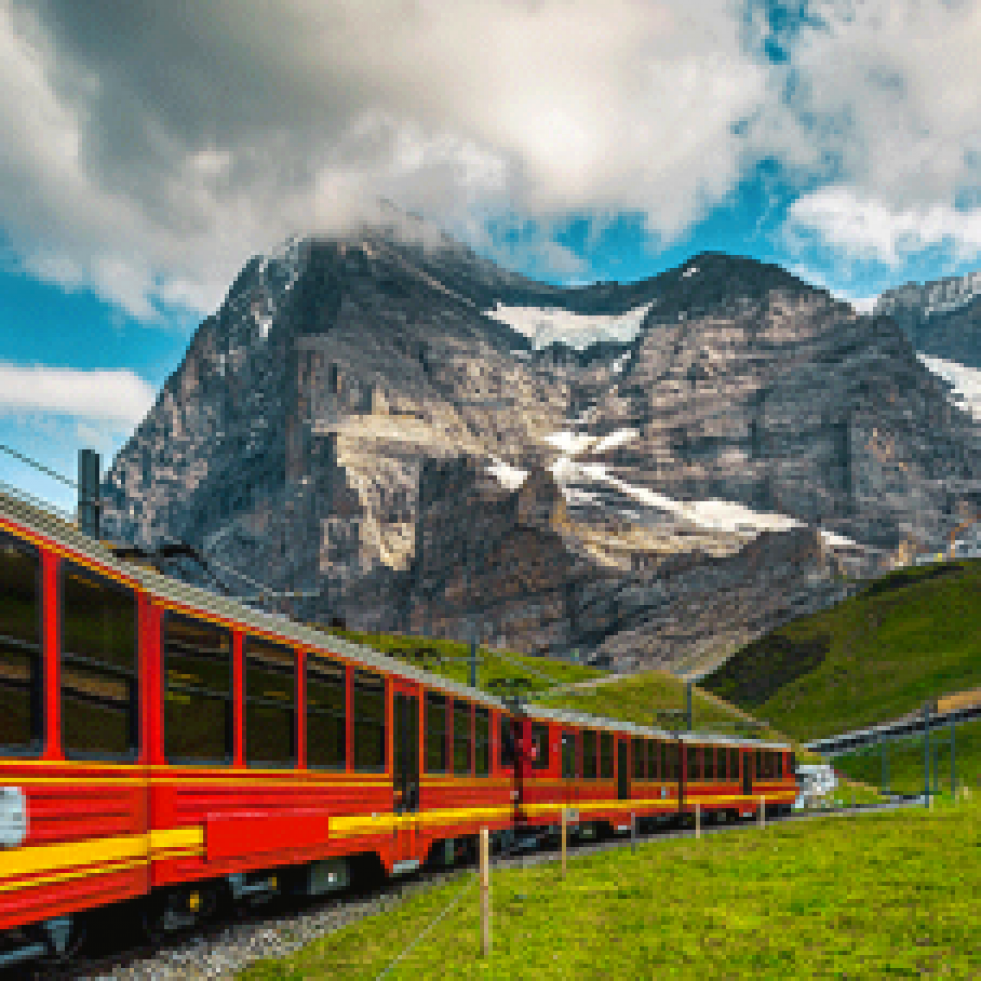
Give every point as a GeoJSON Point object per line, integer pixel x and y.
{"type": "Point", "coordinates": [510, 477]}
{"type": "Point", "coordinates": [545, 325]}
{"type": "Point", "coordinates": [966, 381]}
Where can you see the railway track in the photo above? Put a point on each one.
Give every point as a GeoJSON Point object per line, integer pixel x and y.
{"type": "Point", "coordinates": [280, 927]}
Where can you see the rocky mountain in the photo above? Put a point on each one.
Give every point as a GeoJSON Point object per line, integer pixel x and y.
{"type": "Point", "coordinates": [942, 318]}
{"type": "Point", "coordinates": [414, 439]}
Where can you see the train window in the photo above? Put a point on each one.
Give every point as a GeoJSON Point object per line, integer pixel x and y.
{"type": "Point", "coordinates": [435, 723]}
{"type": "Point", "coordinates": [21, 695]}
{"type": "Point", "coordinates": [638, 750]}
{"type": "Point", "coordinates": [779, 761]}
{"type": "Point", "coordinates": [569, 767]}
{"type": "Point", "coordinates": [507, 740]}
{"type": "Point", "coordinates": [326, 698]}
{"type": "Point", "coordinates": [691, 763]}
{"type": "Point", "coordinates": [672, 763]}
{"type": "Point", "coordinates": [733, 764]}
{"type": "Point", "coordinates": [481, 724]}
{"type": "Point", "coordinates": [606, 755]}
{"type": "Point", "coordinates": [99, 690]}
{"type": "Point", "coordinates": [760, 764]}
{"type": "Point", "coordinates": [589, 754]}
{"type": "Point", "coordinates": [270, 704]}
{"type": "Point", "coordinates": [539, 739]}
{"type": "Point", "coordinates": [653, 750]}
{"type": "Point", "coordinates": [369, 721]}
{"type": "Point", "coordinates": [708, 762]}
{"type": "Point", "coordinates": [197, 692]}
{"type": "Point", "coordinates": [721, 762]}
{"type": "Point", "coordinates": [461, 737]}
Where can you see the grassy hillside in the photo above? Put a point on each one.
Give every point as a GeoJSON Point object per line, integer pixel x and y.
{"type": "Point", "coordinates": [911, 636]}
{"type": "Point", "coordinates": [845, 896]}
{"type": "Point", "coordinates": [634, 698]}
{"type": "Point", "coordinates": [503, 673]}
{"type": "Point", "coordinates": [641, 698]}
{"type": "Point", "coordinates": [905, 761]}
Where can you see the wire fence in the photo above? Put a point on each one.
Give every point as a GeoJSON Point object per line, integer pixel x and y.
{"type": "Point", "coordinates": [466, 888]}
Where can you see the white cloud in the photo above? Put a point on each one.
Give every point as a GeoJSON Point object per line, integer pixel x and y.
{"type": "Point", "coordinates": [149, 164]}
{"type": "Point", "coordinates": [119, 396]}
{"type": "Point", "coordinates": [866, 228]}
{"type": "Point", "coordinates": [885, 105]}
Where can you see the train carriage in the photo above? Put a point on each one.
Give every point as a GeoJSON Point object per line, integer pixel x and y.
{"type": "Point", "coordinates": [600, 770]}
{"type": "Point", "coordinates": [730, 777]}
{"type": "Point", "coordinates": [159, 740]}
{"type": "Point", "coordinates": [167, 749]}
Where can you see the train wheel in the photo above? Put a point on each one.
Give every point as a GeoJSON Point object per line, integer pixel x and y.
{"type": "Point", "coordinates": [177, 909]}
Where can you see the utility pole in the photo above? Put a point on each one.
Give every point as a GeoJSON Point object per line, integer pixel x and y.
{"type": "Point", "coordinates": [688, 704]}
{"type": "Point", "coordinates": [88, 492]}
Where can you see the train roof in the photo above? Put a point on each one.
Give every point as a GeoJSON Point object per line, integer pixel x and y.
{"type": "Point", "coordinates": [715, 738]}
{"type": "Point", "coordinates": [601, 722]}
{"type": "Point", "coordinates": [42, 522]}
{"type": "Point", "coordinates": [592, 721]}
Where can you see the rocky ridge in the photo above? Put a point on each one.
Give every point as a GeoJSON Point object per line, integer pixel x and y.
{"type": "Point", "coordinates": [941, 318]}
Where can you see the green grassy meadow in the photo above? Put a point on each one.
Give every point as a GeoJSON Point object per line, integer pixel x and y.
{"type": "Point", "coordinates": [639, 697]}
{"type": "Point", "coordinates": [909, 637]}
{"type": "Point", "coordinates": [868, 896]}
{"type": "Point", "coordinates": [905, 760]}
{"type": "Point", "coordinates": [500, 674]}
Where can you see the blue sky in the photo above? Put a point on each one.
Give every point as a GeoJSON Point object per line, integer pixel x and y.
{"type": "Point", "coordinates": [151, 149]}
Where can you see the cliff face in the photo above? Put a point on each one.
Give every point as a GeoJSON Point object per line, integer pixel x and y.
{"type": "Point", "coordinates": [941, 318]}
{"type": "Point", "coordinates": [787, 401]}
{"type": "Point", "coordinates": [355, 425]}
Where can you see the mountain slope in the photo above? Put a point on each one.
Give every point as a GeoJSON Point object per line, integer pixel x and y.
{"type": "Point", "coordinates": [907, 638]}
{"type": "Point", "coordinates": [416, 439]}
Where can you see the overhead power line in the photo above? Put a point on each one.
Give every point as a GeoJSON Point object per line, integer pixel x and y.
{"type": "Point", "coordinates": [37, 465]}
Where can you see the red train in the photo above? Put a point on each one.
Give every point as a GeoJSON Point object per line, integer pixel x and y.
{"type": "Point", "coordinates": [168, 749]}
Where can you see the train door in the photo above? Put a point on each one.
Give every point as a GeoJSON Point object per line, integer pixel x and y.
{"type": "Point", "coordinates": [406, 771]}
{"type": "Point", "coordinates": [747, 774]}
{"type": "Point", "coordinates": [623, 771]}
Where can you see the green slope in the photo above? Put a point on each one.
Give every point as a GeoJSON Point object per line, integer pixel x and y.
{"type": "Point", "coordinates": [911, 636]}
{"type": "Point", "coordinates": [500, 673]}
{"type": "Point", "coordinates": [648, 697]}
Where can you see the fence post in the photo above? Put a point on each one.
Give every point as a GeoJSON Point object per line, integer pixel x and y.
{"type": "Point", "coordinates": [485, 944]}
{"type": "Point", "coordinates": [926, 752]}
{"type": "Point", "coordinates": [564, 827]}
{"type": "Point", "coordinates": [698, 820]}
{"type": "Point", "coordinates": [953, 762]}
{"type": "Point", "coordinates": [762, 811]}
